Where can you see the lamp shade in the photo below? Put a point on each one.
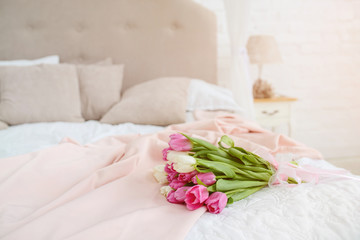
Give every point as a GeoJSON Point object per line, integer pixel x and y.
{"type": "Point", "coordinates": [263, 49]}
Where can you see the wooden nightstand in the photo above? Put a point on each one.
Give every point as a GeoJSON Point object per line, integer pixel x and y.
{"type": "Point", "coordinates": [274, 113]}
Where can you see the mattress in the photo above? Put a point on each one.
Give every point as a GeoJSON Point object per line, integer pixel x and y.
{"type": "Point", "coordinates": [328, 210]}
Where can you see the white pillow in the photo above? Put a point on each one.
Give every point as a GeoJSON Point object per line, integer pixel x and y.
{"type": "Point", "coordinates": [54, 59]}
{"type": "Point", "coordinates": [206, 96]}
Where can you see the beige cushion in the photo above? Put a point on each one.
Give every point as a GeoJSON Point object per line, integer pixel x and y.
{"type": "Point", "coordinates": [42, 93]}
{"type": "Point", "coordinates": [157, 102]}
{"type": "Point", "coordinates": [3, 125]}
{"type": "Point", "coordinates": [100, 88]}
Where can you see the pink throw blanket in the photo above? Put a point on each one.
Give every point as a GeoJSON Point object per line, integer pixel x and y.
{"type": "Point", "coordinates": [106, 190]}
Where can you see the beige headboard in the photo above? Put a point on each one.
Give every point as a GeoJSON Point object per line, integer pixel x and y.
{"type": "Point", "coordinates": [153, 38]}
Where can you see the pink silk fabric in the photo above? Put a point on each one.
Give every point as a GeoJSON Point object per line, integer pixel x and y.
{"type": "Point", "coordinates": [106, 190]}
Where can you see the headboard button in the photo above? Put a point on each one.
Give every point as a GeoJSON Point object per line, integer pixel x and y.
{"type": "Point", "coordinates": [176, 26]}
{"type": "Point", "coordinates": [130, 25]}
{"type": "Point", "coordinates": [80, 28]}
{"type": "Point", "coordinates": [31, 26]}
{"type": "Point", "coordinates": [81, 58]}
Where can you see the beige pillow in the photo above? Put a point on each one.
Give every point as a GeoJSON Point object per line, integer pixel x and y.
{"type": "Point", "coordinates": [41, 93]}
{"type": "Point", "coordinates": [100, 87]}
{"type": "Point", "coordinates": [3, 125]}
{"type": "Point", "coordinates": [157, 102]}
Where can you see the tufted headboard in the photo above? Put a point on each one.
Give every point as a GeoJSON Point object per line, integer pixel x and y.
{"type": "Point", "coordinates": [153, 38]}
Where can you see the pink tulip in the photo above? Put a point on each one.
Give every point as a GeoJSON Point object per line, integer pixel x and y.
{"type": "Point", "coordinates": [207, 178]}
{"type": "Point", "coordinates": [169, 168]}
{"type": "Point", "coordinates": [165, 152]}
{"type": "Point", "coordinates": [171, 173]}
{"type": "Point", "coordinates": [179, 142]}
{"type": "Point", "coordinates": [171, 177]}
{"type": "Point", "coordinates": [216, 202]}
{"type": "Point", "coordinates": [186, 177]}
{"type": "Point", "coordinates": [180, 193]}
{"type": "Point", "coordinates": [171, 197]}
{"type": "Point", "coordinates": [196, 196]}
{"type": "Point", "coordinates": [175, 184]}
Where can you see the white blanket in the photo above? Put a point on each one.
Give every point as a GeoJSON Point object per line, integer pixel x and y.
{"type": "Point", "coordinates": [27, 138]}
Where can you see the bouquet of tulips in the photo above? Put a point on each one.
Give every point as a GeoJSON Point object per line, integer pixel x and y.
{"type": "Point", "coordinates": [199, 173]}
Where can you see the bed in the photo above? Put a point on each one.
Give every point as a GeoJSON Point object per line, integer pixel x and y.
{"type": "Point", "coordinates": [80, 165]}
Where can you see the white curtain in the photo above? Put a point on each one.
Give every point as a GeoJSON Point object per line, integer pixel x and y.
{"type": "Point", "coordinates": [237, 16]}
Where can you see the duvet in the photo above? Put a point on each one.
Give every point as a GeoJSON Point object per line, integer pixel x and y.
{"type": "Point", "coordinates": [105, 190]}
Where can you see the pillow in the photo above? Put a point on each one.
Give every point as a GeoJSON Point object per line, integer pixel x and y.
{"type": "Point", "coordinates": [100, 87]}
{"type": "Point", "coordinates": [3, 125]}
{"type": "Point", "coordinates": [41, 93]}
{"type": "Point", "coordinates": [160, 101]}
{"type": "Point", "coordinates": [206, 96]}
{"type": "Point", "coordinates": [106, 61]}
{"type": "Point", "coordinates": [45, 60]}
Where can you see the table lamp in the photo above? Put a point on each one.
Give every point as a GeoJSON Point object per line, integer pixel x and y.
{"type": "Point", "coordinates": [263, 49]}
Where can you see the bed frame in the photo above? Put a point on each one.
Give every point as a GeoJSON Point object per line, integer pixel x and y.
{"type": "Point", "coordinates": [153, 38]}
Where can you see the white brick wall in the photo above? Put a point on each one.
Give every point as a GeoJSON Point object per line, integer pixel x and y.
{"type": "Point", "coordinates": [320, 44]}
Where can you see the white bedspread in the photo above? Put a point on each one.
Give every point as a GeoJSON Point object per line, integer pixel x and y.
{"type": "Point", "coordinates": [329, 210]}
{"type": "Point", "coordinates": [27, 138]}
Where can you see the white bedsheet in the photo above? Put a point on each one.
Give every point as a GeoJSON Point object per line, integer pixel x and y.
{"type": "Point", "coordinates": [27, 138]}
{"type": "Point", "coordinates": [329, 210]}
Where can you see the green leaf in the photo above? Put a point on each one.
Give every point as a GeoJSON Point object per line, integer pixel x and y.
{"type": "Point", "coordinates": [243, 194]}
{"type": "Point", "coordinates": [202, 169]}
{"type": "Point", "coordinates": [196, 149]}
{"type": "Point", "coordinates": [227, 140]}
{"type": "Point", "coordinates": [258, 158]}
{"type": "Point", "coordinates": [232, 161]}
{"type": "Point", "coordinates": [223, 153]}
{"type": "Point", "coordinates": [201, 142]}
{"type": "Point", "coordinates": [237, 177]}
{"type": "Point", "coordinates": [223, 185]}
{"type": "Point", "coordinates": [265, 176]}
{"type": "Point", "coordinates": [224, 168]}
{"type": "Point", "coordinates": [259, 168]}
{"type": "Point", "coordinates": [294, 163]}
{"type": "Point", "coordinates": [202, 153]}
{"type": "Point", "coordinates": [217, 158]}
{"type": "Point", "coordinates": [212, 188]}
{"type": "Point", "coordinates": [239, 155]}
{"type": "Point", "coordinates": [292, 180]}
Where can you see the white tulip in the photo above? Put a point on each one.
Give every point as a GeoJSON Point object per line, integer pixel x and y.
{"type": "Point", "coordinates": [182, 161]}
{"type": "Point", "coordinates": [160, 174]}
{"type": "Point", "coordinates": [165, 190]}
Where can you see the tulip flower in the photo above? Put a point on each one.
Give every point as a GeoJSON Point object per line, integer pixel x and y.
{"type": "Point", "coordinates": [187, 177]}
{"type": "Point", "coordinates": [175, 184]}
{"type": "Point", "coordinates": [165, 152]}
{"type": "Point", "coordinates": [165, 190]}
{"type": "Point", "coordinates": [160, 174]}
{"type": "Point", "coordinates": [196, 196]}
{"type": "Point", "coordinates": [216, 202]}
{"type": "Point", "coordinates": [182, 162]}
{"type": "Point", "coordinates": [179, 142]}
{"type": "Point", "coordinates": [206, 178]}
{"type": "Point", "coordinates": [180, 193]}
